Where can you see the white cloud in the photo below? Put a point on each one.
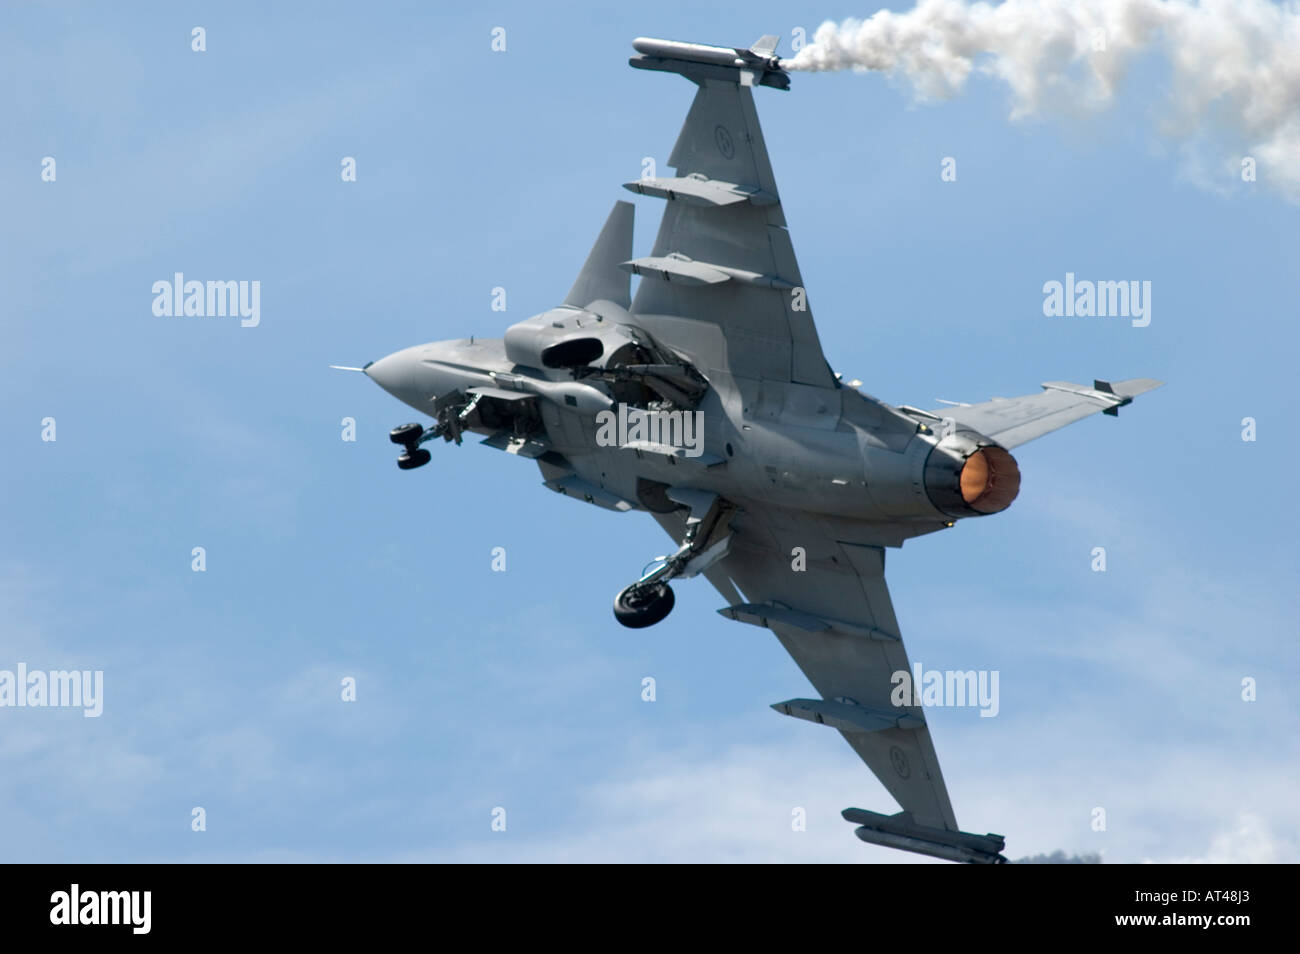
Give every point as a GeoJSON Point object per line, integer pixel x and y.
{"type": "Point", "coordinates": [1250, 840]}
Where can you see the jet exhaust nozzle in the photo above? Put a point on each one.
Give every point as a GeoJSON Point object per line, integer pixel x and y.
{"type": "Point", "coordinates": [968, 475]}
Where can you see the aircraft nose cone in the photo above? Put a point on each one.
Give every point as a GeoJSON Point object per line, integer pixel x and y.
{"type": "Point", "coordinates": [417, 376]}
{"type": "Point", "coordinates": [394, 373]}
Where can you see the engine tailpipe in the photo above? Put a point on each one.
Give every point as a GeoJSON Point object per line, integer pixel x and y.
{"type": "Point", "coordinates": [968, 475]}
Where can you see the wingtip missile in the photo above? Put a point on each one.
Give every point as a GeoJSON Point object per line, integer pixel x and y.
{"type": "Point", "coordinates": [902, 832]}
{"type": "Point", "coordinates": [757, 65]}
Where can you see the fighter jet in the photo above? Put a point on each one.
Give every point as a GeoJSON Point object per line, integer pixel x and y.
{"type": "Point", "coordinates": [706, 401]}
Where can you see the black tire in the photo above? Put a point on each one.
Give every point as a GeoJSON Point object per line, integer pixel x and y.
{"type": "Point", "coordinates": [637, 607]}
{"type": "Point", "coordinates": [416, 458]}
{"type": "Point", "coordinates": [405, 434]}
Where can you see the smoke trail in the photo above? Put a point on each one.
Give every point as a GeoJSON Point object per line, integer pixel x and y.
{"type": "Point", "coordinates": [1058, 857]}
{"type": "Point", "coordinates": [1234, 64]}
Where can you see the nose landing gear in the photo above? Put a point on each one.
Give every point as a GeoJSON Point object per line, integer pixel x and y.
{"type": "Point", "coordinates": [452, 411]}
{"type": "Point", "coordinates": [410, 436]}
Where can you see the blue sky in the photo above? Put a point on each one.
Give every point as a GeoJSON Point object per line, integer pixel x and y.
{"type": "Point", "coordinates": [479, 689]}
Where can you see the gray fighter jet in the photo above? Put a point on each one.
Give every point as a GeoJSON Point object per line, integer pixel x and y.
{"type": "Point", "coordinates": [706, 400]}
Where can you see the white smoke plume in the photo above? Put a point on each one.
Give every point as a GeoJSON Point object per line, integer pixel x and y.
{"type": "Point", "coordinates": [1234, 65]}
{"type": "Point", "coordinates": [1058, 857]}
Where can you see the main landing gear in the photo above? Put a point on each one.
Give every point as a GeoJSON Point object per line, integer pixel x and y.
{"type": "Point", "coordinates": [643, 604]}
{"type": "Point", "coordinates": [650, 599]}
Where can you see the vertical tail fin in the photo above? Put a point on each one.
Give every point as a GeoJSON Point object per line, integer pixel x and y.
{"type": "Point", "coordinates": [601, 276]}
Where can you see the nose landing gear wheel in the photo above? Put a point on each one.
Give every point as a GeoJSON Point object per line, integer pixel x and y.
{"type": "Point", "coordinates": [410, 436]}
{"type": "Point", "coordinates": [406, 434]}
{"type": "Point", "coordinates": [643, 604]}
{"type": "Point", "coordinates": [413, 458]}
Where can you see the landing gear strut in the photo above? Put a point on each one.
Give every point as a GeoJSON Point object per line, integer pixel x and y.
{"type": "Point", "coordinates": [650, 599]}
{"type": "Point", "coordinates": [452, 411]}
